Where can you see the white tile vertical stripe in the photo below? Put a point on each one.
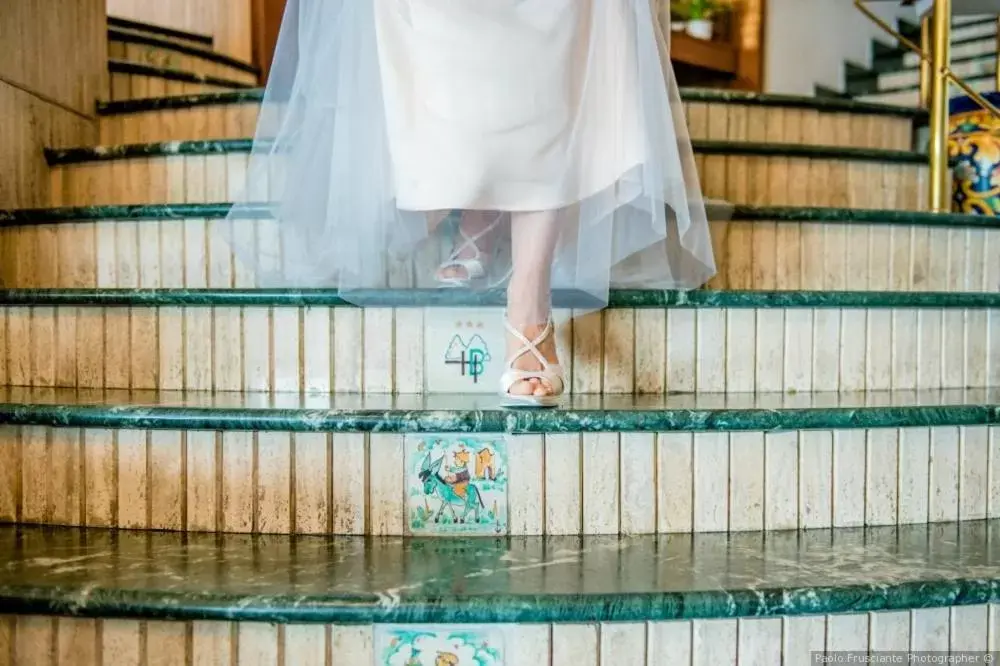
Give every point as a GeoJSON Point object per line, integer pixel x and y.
{"type": "Point", "coordinates": [781, 481]}
{"type": "Point", "coordinates": [711, 482]}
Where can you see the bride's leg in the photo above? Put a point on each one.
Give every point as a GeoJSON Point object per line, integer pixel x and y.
{"type": "Point", "coordinates": [529, 294]}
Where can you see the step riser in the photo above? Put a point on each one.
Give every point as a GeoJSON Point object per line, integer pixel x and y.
{"type": "Point", "coordinates": [912, 78]}
{"type": "Point", "coordinates": [740, 179]}
{"type": "Point", "coordinates": [910, 98]}
{"type": "Point", "coordinates": [705, 121]}
{"type": "Point", "coordinates": [983, 31]}
{"type": "Point", "coordinates": [157, 31]}
{"type": "Point", "coordinates": [980, 48]}
{"type": "Point", "coordinates": [556, 484]}
{"type": "Point", "coordinates": [772, 641]}
{"type": "Point", "coordinates": [225, 121]}
{"type": "Point", "coordinates": [379, 350]}
{"type": "Point", "coordinates": [756, 255]}
{"type": "Point", "coordinates": [139, 86]}
{"type": "Point", "coordinates": [172, 59]}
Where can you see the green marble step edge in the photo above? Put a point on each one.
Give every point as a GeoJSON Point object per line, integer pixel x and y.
{"type": "Point", "coordinates": [716, 211]}
{"type": "Point", "coordinates": [687, 94]}
{"type": "Point", "coordinates": [132, 24]}
{"type": "Point", "coordinates": [618, 298]}
{"type": "Point", "coordinates": [495, 420]}
{"type": "Point", "coordinates": [128, 36]}
{"type": "Point", "coordinates": [129, 67]}
{"type": "Point", "coordinates": [498, 608]}
{"type": "Point", "coordinates": [58, 157]}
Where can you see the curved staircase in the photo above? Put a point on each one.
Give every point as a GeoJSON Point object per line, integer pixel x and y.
{"type": "Point", "coordinates": [803, 457]}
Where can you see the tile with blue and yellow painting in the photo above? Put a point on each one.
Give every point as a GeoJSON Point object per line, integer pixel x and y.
{"type": "Point", "coordinates": [456, 484]}
{"type": "Point", "coordinates": [418, 645]}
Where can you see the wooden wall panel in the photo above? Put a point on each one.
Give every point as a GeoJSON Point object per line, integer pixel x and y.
{"type": "Point", "coordinates": [267, 16]}
{"type": "Point", "coordinates": [227, 21]}
{"type": "Point", "coordinates": [36, 38]}
{"type": "Point", "coordinates": [31, 124]}
{"type": "Point", "coordinates": [46, 98]}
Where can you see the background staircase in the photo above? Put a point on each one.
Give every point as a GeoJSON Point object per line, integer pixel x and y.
{"type": "Point", "coordinates": [802, 457]}
{"type": "Point", "coordinates": [894, 77]}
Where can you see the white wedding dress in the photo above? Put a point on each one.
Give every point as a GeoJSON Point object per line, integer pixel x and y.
{"type": "Point", "coordinates": [384, 117]}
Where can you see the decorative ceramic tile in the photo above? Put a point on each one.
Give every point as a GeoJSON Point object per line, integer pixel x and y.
{"type": "Point", "coordinates": [456, 484]}
{"type": "Point", "coordinates": [416, 645]}
{"type": "Point", "coordinates": [464, 350]}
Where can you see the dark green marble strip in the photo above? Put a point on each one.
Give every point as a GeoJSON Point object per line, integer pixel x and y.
{"type": "Point", "coordinates": [131, 24]}
{"type": "Point", "coordinates": [494, 420]}
{"type": "Point", "coordinates": [621, 298]}
{"type": "Point", "coordinates": [251, 95]}
{"type": "Point", "coordinates": [797, 102]}
{"type": "Point", "coordinates": [130, 37]}
{"type": "Point", "coordinates": [705, 147]}
{"type": "Point", "coordinates": [215, 146]}
{"type": "Point", "coordinates": [358, 580]}
{"type": "Point", "coordinates": [126, 151]}
{"type": "Point", "coordinates": [735, 97]}
{"type": "Point", "coordinates": [716, 211]}
{"type": "Point", "coordinates": [128, 67]}
{"type": "Point", "coordinates": [501, 607]}
{"type": "Point", "coordinates": [151, 212]}
{"type": "Point", "coordinates": [859, 215]}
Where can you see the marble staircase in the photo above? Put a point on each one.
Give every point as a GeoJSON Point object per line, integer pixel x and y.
{"type": "Point", "coordinates": [802, 457]}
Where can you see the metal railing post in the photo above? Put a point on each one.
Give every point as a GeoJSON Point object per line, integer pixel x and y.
{"type": "Point", "coordinates": [940, 66]}
{"type": "Point", "coordinates": [925, 66]}
{"type": "Point", "coordinates": [998, 54]}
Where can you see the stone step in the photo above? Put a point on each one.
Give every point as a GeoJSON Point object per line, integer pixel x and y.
{"type": "Point", "coordinates": [347, 464]}
{"type": "Point", "coordinates": [719, 115]}
{"type": "Point", "coordinates": [93, 597]}
{"type": "Point", "coordinates": [647, 342]}
{"type": "Point", "coordinates": [759, 248]}
{"type": "Point", "coordinates": [186, 37]}
{"type": "Point", "coordinates": [974, 31]}
{"type": "Point", "coordinates": [978, 47]}
{"type": "Point", "coordinates": [147, 49]}
{"type": "Point", "coordinates": [910, 78]}
{"type": "Point", "coordinates": [770, 174]}
{"type": "Point", "coordinates": [130, 80]}
{"type": "Point", "coordinates": [908, 97]}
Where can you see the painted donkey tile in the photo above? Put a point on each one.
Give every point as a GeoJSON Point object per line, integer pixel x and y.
{"type": "Point", "coordinates": [456, 484]}
{"type": "Point", "coordinates": [419, 645]}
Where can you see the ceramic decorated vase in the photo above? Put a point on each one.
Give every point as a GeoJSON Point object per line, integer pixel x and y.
{"type": "Point", "coordinates": [974, 149]}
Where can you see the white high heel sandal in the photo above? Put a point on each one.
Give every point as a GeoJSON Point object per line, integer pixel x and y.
{"type": "Point", "coordinates": [473, 266]}
{"type": "Point", "coordinates": [549, 372]}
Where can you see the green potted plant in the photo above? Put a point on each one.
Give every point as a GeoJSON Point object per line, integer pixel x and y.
{"type": "Point", "coordinates": [680, 14]}
{"type": "Point", "coordinates": [701, 13]}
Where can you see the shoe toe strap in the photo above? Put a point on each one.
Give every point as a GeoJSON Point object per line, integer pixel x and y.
{"type": "Point", "coordinates": [553, 375]}
{"type": "Point", "coordinates": [473, 267]}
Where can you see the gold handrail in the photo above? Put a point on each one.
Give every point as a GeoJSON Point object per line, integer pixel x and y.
{"type": "Point", "coordinates": [935, 74]}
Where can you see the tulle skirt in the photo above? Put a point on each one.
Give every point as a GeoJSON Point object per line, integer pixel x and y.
{"type": "Point", "coordinates": [384, 122]}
